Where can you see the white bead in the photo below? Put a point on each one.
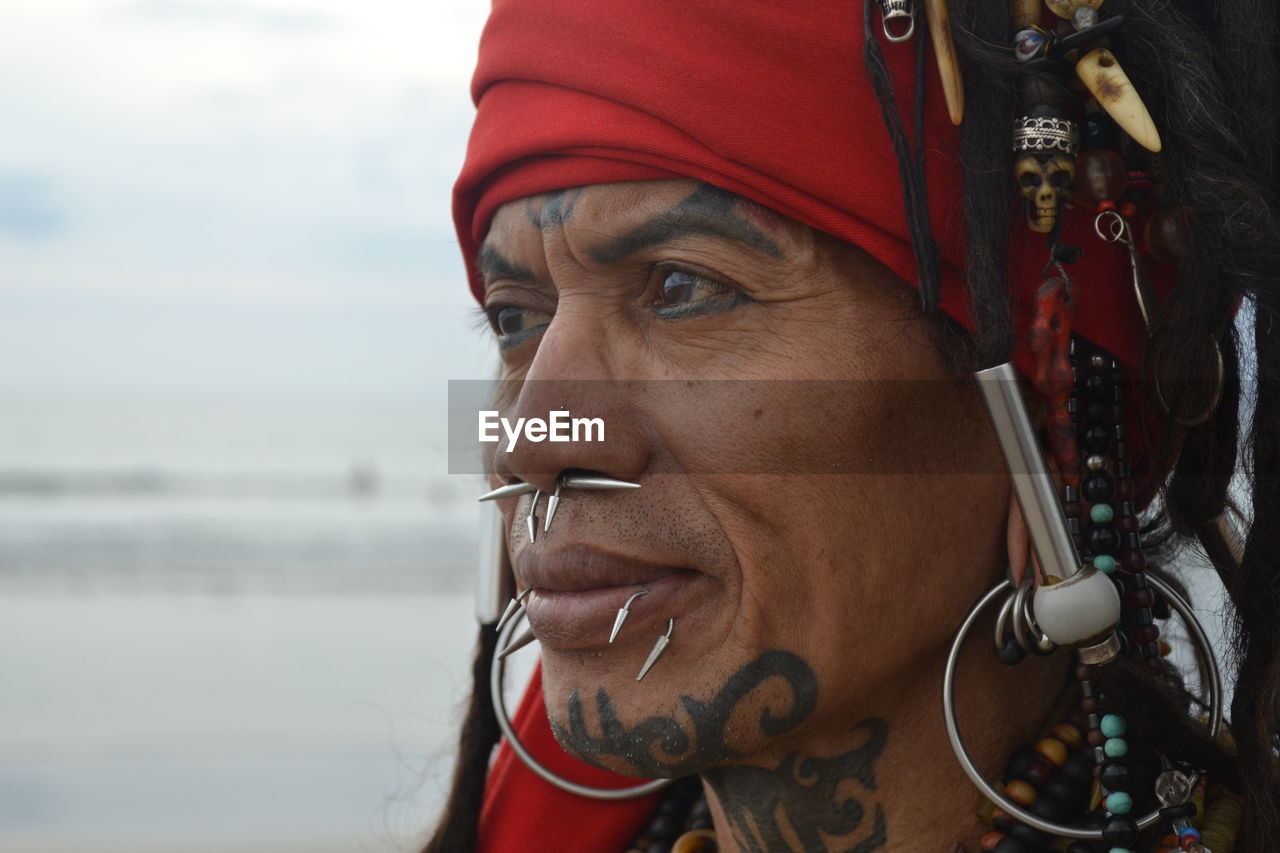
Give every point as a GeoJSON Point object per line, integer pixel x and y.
{"type": "Point", "coordinates": [1078, 608]}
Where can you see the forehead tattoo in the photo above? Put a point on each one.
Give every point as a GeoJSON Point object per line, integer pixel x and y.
{"type": "Point", "coordinates": [706, 212]}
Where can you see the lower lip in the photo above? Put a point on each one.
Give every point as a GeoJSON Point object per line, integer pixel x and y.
{"type": "Point", "coordinates": [561, 619]}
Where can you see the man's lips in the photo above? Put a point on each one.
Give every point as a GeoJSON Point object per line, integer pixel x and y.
{"type": "Point", "coordinates": [580, 568]}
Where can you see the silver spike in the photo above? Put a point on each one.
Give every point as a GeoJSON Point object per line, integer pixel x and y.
{"type": "Point", "coordinates": [508, 491]}
{"type": "Point", "coordinates": [592, 481]}
{"type": "Point", "coordinates": [552, 502]}
{"type": "Point", "coordinates": [532, 519]}
{"type": "Point", "coordinates": [623, 613]}
{"type": "Point", "coordinates": [658, 648]}
{"type": "Point", "coordinates": [517, 644]}
{"type": "Point", "coordinates": [513, 607]}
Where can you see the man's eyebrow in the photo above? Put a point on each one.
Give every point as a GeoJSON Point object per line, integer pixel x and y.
{"type": "Point", "coordinates": [493, 265]}
{"type": "Point", "coordinates": [708, 211]}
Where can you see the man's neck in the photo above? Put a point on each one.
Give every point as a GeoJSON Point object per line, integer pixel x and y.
{"type": "Point", "coordinates": [889, 781]}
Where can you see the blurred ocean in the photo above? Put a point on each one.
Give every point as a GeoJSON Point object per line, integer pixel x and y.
{"type": "Point", "coordinates": [228, 626]}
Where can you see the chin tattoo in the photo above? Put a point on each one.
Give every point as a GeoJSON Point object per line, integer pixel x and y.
{"type": "Point", "coordinates": [804, 803]}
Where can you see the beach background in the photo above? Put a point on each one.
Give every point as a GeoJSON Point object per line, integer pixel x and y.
{"type": "Point", "coordinates": [235, 574]}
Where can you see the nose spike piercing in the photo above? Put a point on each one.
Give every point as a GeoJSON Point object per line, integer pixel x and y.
{"type": "Point", "coordinates": [593, 481]}
{"type": "Point", "coordinates": [518, 643]}
{"type": "Point", "coordinates": [552, 503]}
{"type": "Point", "coordinates": [508, 491]}
{"type": "Point", "coordinates": [513, 607]}
{"type": "Point", "coordinates": [623, 613]}
{"type": "Point", "coordinates": [658, 648]}
{"type": "Point", "coordinates": [532, 518]}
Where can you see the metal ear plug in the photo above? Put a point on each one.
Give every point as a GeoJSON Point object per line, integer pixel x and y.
{"type": "Point", "coordinates": [658, 648]}
{"type": "Point", "coordinates": [623, 613]}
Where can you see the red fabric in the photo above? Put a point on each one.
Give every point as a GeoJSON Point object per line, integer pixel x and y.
{"type": "Point", "coordinates": [769, 100]}
{"type": "Point", "coordinates": [519, 808]}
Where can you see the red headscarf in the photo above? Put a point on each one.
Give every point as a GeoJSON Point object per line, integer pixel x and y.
{"type": "Point", "coordinates": [768, 100]}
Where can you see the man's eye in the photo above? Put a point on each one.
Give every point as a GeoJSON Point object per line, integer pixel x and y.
{"type": "Point", "coordinates": [683, 293]}
{"type": "Point", "coordinates": [510, 321]}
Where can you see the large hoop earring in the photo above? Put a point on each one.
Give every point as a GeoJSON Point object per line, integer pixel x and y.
{"type": "Point", "coordinates": [497, 670]}
{"type": "Point", "coordinates": [1206, 661]}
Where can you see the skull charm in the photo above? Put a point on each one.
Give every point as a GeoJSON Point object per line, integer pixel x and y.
{"type": "Point", "coordinates": [1045, 182]}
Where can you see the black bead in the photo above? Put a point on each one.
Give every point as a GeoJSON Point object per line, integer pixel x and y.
{"type": "Point", "coordinates": [1067, 791]}
{"type": "Point", "coordinates": [1002, 823]}
{"type": "Point", "coordinates": [1120, 831]}
{"type": "Point", "coordinates": [1098, 412]}
{"type": "Point", "coordinates": [1100, 131]}
{"type": "Point", "coordinates": [1103, 540]}
{"type": "Point", "coordinates": [1150, 650]}
{"type": "Point", "coordinates": [1097, 439]}
{"type": "Point", "coordinates": [1116, 775]}
{"type": "Point", "coordinates": [1182, 810]}
{"type": "Point", "coordinates": [1117, 414]}
{"type": "Point", "coordinates": [663, 828]}
{"type": "Point", "coordinates": [1051, 809]}
{"type": "Point", "coordinates": [1020, 763]}
{"type": "Point", "coordinates": [1098, 386]}
{"type": "Point", "coordinates": [660, 846]}
{"type": "Point", "coordinates": [1013, 844]}
{"type": "Point", "coordinates": [1011, 654]}
{"type": "Point", "coordinates": [1081, 847]}
{"type": "Point", "coordinates": [1079, 768]}
{"type": "Point", "coordinates": [1099, 488]}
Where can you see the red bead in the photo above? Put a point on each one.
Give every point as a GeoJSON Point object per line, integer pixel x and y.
{"type": "Point", "coordinates": [1146, 634]}
{"type": "Point", "coordinates": [1155, 666]}
{"type": "Point", "coordinates": [1100, 178]}
{"type": "Point", "coordinates": [1128, 210]}
{"type": "Point", "coordinates": [1096, 737]}
{"type": "Point", "coordinates": [991, 839]}
{"type": "Point", "coordinates": [1128, 524]}
{"type": "Point", "coordinates": [1088, 705]}
{"type": "Point", "coordinates": [1136, 598]}
{"type": "Point", "coordinates": [1135, 561]}
{"type": "Point", "coordinates": [1124, 489]}
{"type": "Point", "coordinates": [1168, 235]}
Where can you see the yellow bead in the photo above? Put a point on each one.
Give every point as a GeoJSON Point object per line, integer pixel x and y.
{"type": "Point", "coordinates": [1068, 734]}
{"type": "Point", "coordinates": [696, 841]}
{"type": "Point", "coordinates": [1021, 792]}
{"type": "Point", "coordinates": [1054, 750]}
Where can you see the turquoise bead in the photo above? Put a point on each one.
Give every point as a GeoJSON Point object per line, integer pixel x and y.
{"type": "Point", "coordinates": [1115, 747]}
{"type": "Point", "coordinates": [1101, 513]}
{"type": "Point", "coordinates": [1118, 802]}
{"type": "Point", "coordinates": [1104, 563]}
{"type": "Point", "coordinates": [1120, 850]}
{"type": "Point", "coordinates": [1113, 725]}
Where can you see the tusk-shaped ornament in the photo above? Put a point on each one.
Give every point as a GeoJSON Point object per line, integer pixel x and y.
{"type": "Point", "coordinates": [1026, 13]}
{"type": "Point", "coordinates": [945, 51]}
{"type": "Point", "coordinates": [1102, 75]}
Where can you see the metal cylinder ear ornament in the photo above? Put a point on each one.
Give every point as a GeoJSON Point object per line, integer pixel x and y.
{"type": "Point", "coordinates": [1079, 605]}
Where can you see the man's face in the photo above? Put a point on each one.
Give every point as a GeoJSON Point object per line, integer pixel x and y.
{"type": "Point", "coordinates": [819, 501]}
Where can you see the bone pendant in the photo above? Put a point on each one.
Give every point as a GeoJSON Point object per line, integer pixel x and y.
{"type": "Point", "coordinates": [1026, 13]}
{"type": "Point", "coordinates": [1103, 76]}
{"type": "Point", "coordinates": [1067, 8]}
{"type": "Point", "coordinates": [945, 50]}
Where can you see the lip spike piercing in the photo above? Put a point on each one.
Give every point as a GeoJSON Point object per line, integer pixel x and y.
{"type": "Point", "coordinates": [623, 613]}
{"type": "Point", "coordinates": [552, 503]}
{"type": "Point", "coordinates": [513, 609]}
{"type": "Point", "coordinates": [532, 518]}
{"type": "Point", "coordinates": [596, 482]}
{"type": "Point", "coordinates": [658, 648]}
{"type": "Point", "coordinates": [517, 644]}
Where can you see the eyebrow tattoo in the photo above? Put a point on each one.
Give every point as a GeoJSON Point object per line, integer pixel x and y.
{"type": "Point", "coordinates": [493, 265]}
{"type": "Point", "coordinates": [707, 211]}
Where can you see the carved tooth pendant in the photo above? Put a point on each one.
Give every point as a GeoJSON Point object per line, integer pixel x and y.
{"type": "Point", "coordinates": [518, 643]}
{"type": "Point", "coordinates": [1102, 75]}
{"type": "Point", "coordinates": [658, 648]}
{"type": "Point", "coordinates": [623, 613]}
{"type": "Point", "coordinates": [1026, 13]}
{"type": "Point", "coordinates": [945, 51]}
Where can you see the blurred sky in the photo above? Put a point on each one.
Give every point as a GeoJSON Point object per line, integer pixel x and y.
{"type": "Point", "coordinates": [202, 197]}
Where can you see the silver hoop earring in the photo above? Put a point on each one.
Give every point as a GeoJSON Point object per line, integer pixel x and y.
{"type": "Point", "coordinates": [497, 670]}
{"type": "Point", "coordinates": [1206, 658]}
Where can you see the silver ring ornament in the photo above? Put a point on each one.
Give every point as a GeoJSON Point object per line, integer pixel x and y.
{"type": "Point", "coordinates": [1206, 657]}
{"type": "Point", "coordinates": [497, 670]}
